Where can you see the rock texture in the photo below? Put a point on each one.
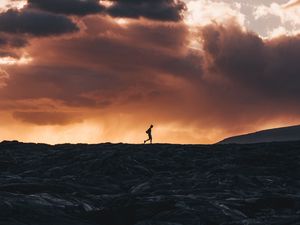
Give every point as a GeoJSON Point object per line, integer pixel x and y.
{"type": "Point", "coordinates": [118, 184]}
{"type": "Point", "coordinates": [272, 135]}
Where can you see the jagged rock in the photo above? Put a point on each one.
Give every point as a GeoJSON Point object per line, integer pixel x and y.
{"type": "Point", "coordinates": [119, 184]}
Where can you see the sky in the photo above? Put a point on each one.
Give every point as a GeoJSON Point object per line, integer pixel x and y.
{"type": "Point", "coordinates": [90, 71]}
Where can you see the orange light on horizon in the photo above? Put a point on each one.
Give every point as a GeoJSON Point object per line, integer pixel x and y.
{"type": "Point", "coordinates": [92, 132]}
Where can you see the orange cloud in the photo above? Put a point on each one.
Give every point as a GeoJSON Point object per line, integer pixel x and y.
{"type": "Point", "coordinates": [109, 82]}
{"type": "Point", "coordinates": [47, 118]}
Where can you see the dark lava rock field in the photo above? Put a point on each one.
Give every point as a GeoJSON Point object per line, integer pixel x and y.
{"type": "Point", "coordinates": [119, 184]}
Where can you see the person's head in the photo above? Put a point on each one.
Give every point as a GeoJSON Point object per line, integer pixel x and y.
{"type": "Point", "coordinates": [151, 126]}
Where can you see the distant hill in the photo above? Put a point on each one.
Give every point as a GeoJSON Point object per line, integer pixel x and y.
{"type": "Point", "coordinates": [272, 135]}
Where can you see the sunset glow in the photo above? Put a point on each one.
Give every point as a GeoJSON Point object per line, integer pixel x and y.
{"type": "Point", "coordinates": [12, 61]}
{"type": "Point", "coordinates": [121, 21]}
{"type": "Point", "coordinates": [106, 3]}
{"type": "Point", "coordinates": [7, 4]}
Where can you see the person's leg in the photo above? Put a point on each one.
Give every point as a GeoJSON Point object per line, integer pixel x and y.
{"type": "Point", "coordinates": [149, 139]}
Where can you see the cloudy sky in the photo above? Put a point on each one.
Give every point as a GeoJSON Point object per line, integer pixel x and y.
{"type": "Point", "coordinates": [103, 71]}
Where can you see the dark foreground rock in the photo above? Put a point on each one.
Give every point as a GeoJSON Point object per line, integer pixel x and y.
{"type": "Point", "coordinates": [115, 184]}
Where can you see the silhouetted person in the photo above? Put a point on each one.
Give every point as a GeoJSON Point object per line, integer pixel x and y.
{"type": "Point", "coordinates": [149, 134]}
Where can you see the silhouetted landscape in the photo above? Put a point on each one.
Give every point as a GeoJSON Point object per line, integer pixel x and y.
{"type": "Point", "coordinates": [281, 134]}
{"type": "Point", "coordinates": [159, 184]}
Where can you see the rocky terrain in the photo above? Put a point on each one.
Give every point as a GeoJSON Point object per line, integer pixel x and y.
{"type": "Point", "coordinates": [119, 184]}
{"type": "Point", "coordinates": [281, 134]}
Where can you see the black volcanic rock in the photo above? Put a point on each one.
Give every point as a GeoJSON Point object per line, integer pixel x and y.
{"type": "Point", "coordinates": [119, 184]}
{"type": "Point", "coordinates": [272, 135]}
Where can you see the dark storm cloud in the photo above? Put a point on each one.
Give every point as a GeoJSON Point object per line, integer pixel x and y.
{"type": "Point", "coordinates": [35, 23]}
{"type": "Point", "coordinates": [248, 79]}
{"type": "Point", "coordinates": [11, 54]}
{"type": "Point", "coordinates": [11, 41]}
{"type": "Point", "coordinates": [256, 69]}
{"type": "Point", "coordinates": [47, 118]}
{"type": "Point", "coordinates": [157, 35]}
{"type": "Point", "coordinates": [3, 41]}
{"type": "Point", "coordinates": [18, 42]}
{"type": "Point", "coordinates": [234, 53]}
{"type": "Point", "coordinates": [92, 70]}
{"type": "Point", "coordinates": [12, 46]}
{"type": "Point", "coordinates": [236, 81]}
{"type": "Point", "coordinates": [268, 67]}
{"type": "Point", "coordinates": [165, 10]}
{"type": "Point", "coordinates": [58, 81]}
{"type": "Point", "coordinates": [69, 7]}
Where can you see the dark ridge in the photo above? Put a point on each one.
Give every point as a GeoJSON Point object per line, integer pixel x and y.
{"type": "Point", "coordinates": [159, 184]}
{"type": "Point", "coordinates": [283, 134]}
